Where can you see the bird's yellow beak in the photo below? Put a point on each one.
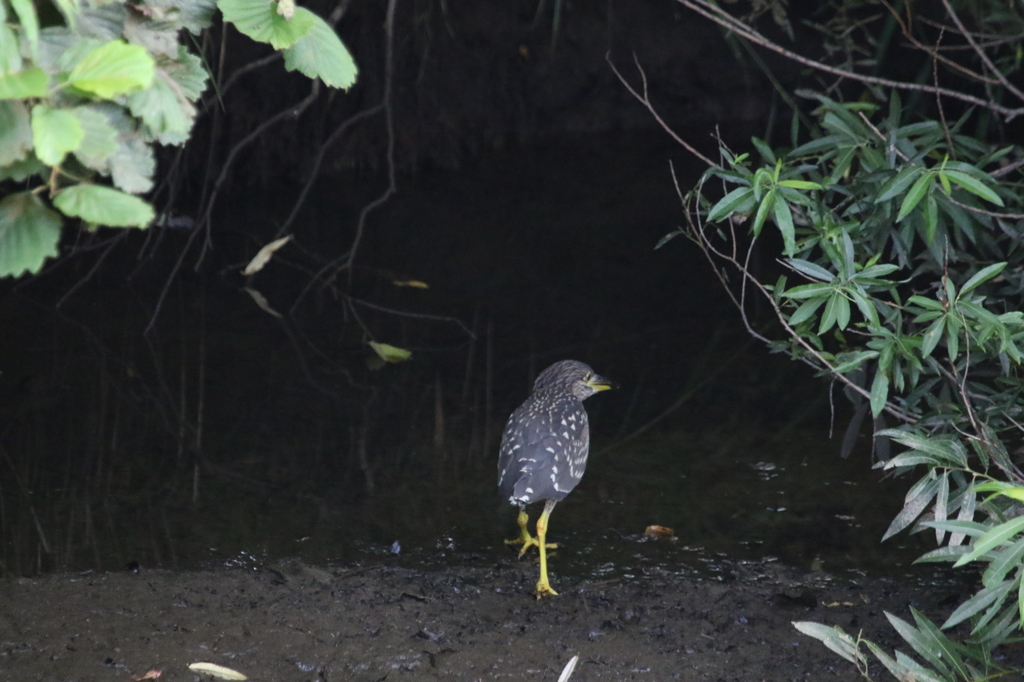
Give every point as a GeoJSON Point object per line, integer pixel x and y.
{"type": "Point", "coordinates": [601, 384]}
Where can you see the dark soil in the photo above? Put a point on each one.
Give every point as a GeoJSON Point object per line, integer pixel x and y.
{"type": "Point", "coordinates": [475, 622]}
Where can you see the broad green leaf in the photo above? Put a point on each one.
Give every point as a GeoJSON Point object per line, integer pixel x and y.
{"type": "Point", "coordinates": [992, 539]}
{"type": "Point", "coordinates": [259, 20]}
{"type": "Point", "coordinates": [321, 54]}
{"type": "Point", "coordinates": [19, 171]}
{"type": "Point", "coordinates": [729, 203]}
{"type": "Point", "coordinates": [974, 186]}
{"type": "Point", "coordinates": [195, 15]}
{"type": "Point", "coordinates": [24, 84]}
{"type": "Point", "coordinates": [132, 166]}
{"type": "Point", "coordinates": [167, 115]}
{"type": "Point", "coordinates": [113, 69]}
{"type": "Point", "coordinates": [10, 55]}
{"type": "Point", "coordinates": [982, 276]}
{"type": "Point", "coordinates": [188, 73]}
{"type": "Point", "coordinates": [29, 233]}
{"type": "Point", "coordinates": [55, 132]}
{"type": "Point", "coordinates": [100, 205]}
{"type": "Point", "coordinates": [784, 219]}
{"type": "Point", "coordinates": [100, 140]}
{"type": "Point", "coordinates": [15, 132]}
{"type": "Point", "coordinates": [389, 353]}
{"type": "Point", "coordinates": [914, 196]}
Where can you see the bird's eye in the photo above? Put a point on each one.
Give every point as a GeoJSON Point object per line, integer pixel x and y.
{"type": "Point", "coordinates": [588, 377]}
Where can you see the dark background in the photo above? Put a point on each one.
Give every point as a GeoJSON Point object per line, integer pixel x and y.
{"type": "Point", "coordinates": [151, 411]}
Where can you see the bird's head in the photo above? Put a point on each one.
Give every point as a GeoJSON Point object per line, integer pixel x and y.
{"type": "Point", "coordinates": [571, 376]}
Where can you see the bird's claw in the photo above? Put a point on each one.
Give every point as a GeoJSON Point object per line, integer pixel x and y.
{"type": "Point", "coordinates": [529, 542]}
{"type": "Point", "coordinates": [544, 590]}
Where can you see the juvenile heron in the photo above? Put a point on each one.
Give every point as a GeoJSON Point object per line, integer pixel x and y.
{"type": "Point", "coordinates": [544, 450]}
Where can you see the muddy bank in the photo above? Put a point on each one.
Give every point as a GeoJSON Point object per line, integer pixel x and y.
{"type": "Point", "coordinates": [297, 622]}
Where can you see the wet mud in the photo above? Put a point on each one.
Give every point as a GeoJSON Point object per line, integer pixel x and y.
{"type": "Point", "coordinates": [478, 621]}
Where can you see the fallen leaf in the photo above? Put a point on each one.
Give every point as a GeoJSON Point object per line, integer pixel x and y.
{"type": "Point", "coordinates": [217, 671]}
{"type": "Point", "coordinates": [262, 302]}
{"type": "Point", "coordinates": [659, 533]}
{"type": "Point", "coordinates": [414, 283]}
{"type": "Point", "coordinates": [150, 675]}
{"type": "Point", "coordinates": [389, 353]}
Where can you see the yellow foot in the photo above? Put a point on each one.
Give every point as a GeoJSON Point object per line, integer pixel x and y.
{"type": "Point", "coordinates": [528, 542]}
{"type": "Point", "coordinates": [544, 590]}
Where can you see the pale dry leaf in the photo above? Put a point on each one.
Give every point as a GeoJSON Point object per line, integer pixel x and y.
{"type": "Point", "coordinates": [217, 671]}
{"type": "Point", "coordinates": [569, 667]}
{"type": "Point", "coordinates": [262, 257]}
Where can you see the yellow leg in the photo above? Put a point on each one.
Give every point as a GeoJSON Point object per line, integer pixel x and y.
{"type": "Point", "coordinates": [525, 539]}
{"type": "Point", "coordinates": [543, 586]}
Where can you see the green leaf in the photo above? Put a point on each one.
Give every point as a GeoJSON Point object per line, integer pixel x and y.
{"type": "Point", "coordinates": [167, 114]}
{"type": "Point", "coordinates": [810, 269]}
{"type": "Point", "coordinates": [24, 84]}
{"type": "Point", "coordinates": [132, 166]}
{"type": "Point", "coordinates": [104, 206]}
{"type": "Point", "coordinates": [259, 20]}
{"type": "Point", "coordinates": [982, 276]}
{"type": "Point", "coordinates": [15, 132]}
{"type": "Point", "coordinates": [879, 393]}
{"type": "Point", "coordinates": [992, 539]}
{"type": "Point", "coordinates": [113, 69]}
{"type": "Point", "coordinates": [729, 203]}
{"type": "Point", "coordinates": [932, 336]}
{"type": "Point", "coordinates": [983, 599]}
{"type": "Point", "coordinates": [835, 639]}
{"type": "Point", "coordinates": [389, 353]}
{"type": "Point", "coordinates": [806, 310]}
{"type": "Point", "coordinates": [767, 203]}
{"type": "Point", "coordinates": [894, 187]}
{"type": "Point", "coordinates": [784, 219]}
{"type": "Point", "coordinates": [974, 186]}
{"type": "Point", "coordinates": [915, 195]}
{"type": "Point", "coordinates": [55, 132]}
{"type": "Point", "coordinates": [100, 140]}
{"type": "Point", "coordinates": [29, 233]}
{"type": "Point", "coordinates": [321, 54]}
{"type": "Point", "coordinates": [799, 184]}
{"type": "Point", "coordinates": [26, 12]}
{"type": "Point", "coordinates": [1009, 559]}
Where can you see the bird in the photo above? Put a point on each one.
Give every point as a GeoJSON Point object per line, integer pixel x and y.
{"type": "Point", "coordinates": [544, 450]}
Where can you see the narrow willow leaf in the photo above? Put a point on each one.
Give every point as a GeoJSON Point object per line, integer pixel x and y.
{"type": "Point", "coordinates": [879, 393]}
{"type": "Point", "coordinates": [974, 186]}
{"type": "Point", "coordinates": [931, 218]}
{"type": "Point", "coordinates": [766, 205]}
{"type": "Point", "coordinates": [810, 269]}
{"type": "Point", "coordinates": [321, 54]}
{"type": "Point", "coordinates": [915, 195]}
{"type": "Point", "coordinates": [799, 184]}
{"type": "Point", "coordinates": [932, 336]}
{"type": "Point", "coordinates": [729, 203]}
{"type": "Point", "coordinates": [941, 506]}
{"type": "Point", "coordinates": [895, 187]}
{"type": "Point", "coordinates": [982, 276]}
{"type": "Point", "coordinates": [259, 20]}
{"type": "Point", "coordinates": [831, 313]}
{"type": "Point", "coordinates": [942, 554]}
{"type": "Point", "coordinates": [29, 233]}
{"type": "Point", "coordinates": [113, 69]}
{"type": "Point", "coordinates": [947, 651]}
{"type": "Point", "coordinates": [806, 310]}
{"type": "Point", "coordinates": [784, 220]}
{"type": "Point", "coordinates": [104, 206]}
{"type": "Point", "coordinates": [921, 644]}
{"type": "Point", "coordinates": [997, 536]}
{"type": "Point", "coordinates": [55, 132]}
{"type": "Point", "coordinates": [842, 311]}
{"type": "Point", "coordinates": [24, 84]}
{"type": "Point", "coordinates": [834, 638]}
{"type": "Point", "coordinates": [981, 600]}
{"type": "Point", "coordinates": [913, 507]}
{"type": "Point", "coordinates": [1009, 559]}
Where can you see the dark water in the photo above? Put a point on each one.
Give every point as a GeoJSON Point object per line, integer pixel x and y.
{"type": "Point", "coordinates": [228, 436]}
